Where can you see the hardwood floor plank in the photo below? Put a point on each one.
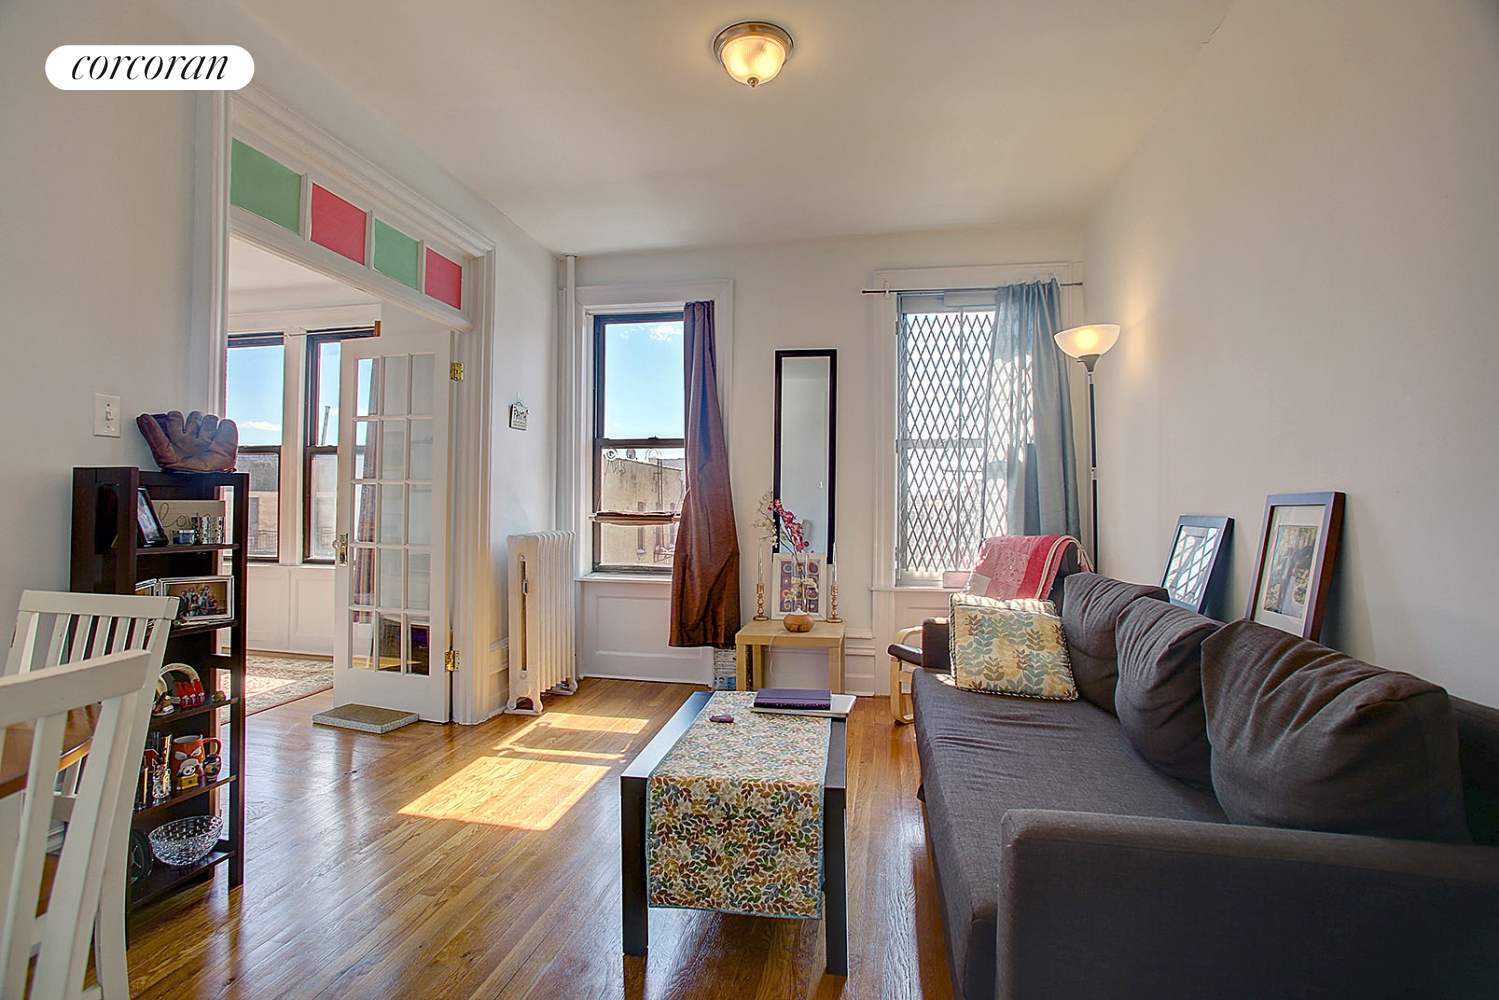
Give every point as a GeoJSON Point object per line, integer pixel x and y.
{"type": "Point", "coordinates": [483, 861]}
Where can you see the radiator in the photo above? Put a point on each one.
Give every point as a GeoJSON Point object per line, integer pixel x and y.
{"type": "Point", "coordinates": [543, 645]}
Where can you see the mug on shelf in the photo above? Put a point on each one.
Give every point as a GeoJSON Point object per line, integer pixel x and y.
{"type": "Point", "coordinates": [209, 529]}
{"type": "Point", "coordinates": [188, 753]}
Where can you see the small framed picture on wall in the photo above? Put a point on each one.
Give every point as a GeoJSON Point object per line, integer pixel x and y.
{"type": "Point", "coordinates": [1293, 565]}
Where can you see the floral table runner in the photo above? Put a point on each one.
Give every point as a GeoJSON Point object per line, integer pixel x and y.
{"type": "Point", "coordinates": [734, 814]}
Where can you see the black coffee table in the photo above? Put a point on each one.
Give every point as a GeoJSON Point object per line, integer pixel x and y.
{"type": "Point", "coordinates": [632, 790]}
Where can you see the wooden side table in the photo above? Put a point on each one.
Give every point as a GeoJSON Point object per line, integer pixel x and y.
{"type": "Point", "coordinates": [755, 638]}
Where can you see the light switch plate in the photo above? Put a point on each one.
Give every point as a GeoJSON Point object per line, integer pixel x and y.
{"type": "Point", "coordinates": [106, 415]}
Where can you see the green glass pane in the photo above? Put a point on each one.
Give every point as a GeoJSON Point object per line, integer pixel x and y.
{"type": "Point", "coordinates": [396, 254]}
{"type": "Point", "coordinates": [259, 184]}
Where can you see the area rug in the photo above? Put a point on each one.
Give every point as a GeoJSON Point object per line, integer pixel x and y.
{"type": "Point", "coordinates": [276, 680]}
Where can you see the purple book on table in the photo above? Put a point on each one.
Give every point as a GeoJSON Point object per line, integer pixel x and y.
{"type": "Point", "coordinates": [803, 699]}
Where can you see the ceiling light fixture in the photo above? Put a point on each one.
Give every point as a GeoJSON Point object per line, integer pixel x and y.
{"type": "Point", "coordinates": [753, 51]}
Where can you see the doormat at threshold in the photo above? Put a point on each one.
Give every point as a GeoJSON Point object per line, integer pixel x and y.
{"type": "Point", "coordinates": [364, 718]}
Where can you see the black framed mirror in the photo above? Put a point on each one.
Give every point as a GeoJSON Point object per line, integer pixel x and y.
{"type": "Point", "coordinates": [806, 436]}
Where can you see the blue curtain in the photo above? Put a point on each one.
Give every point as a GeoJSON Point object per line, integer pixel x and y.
{"type": "Point", "coordinates": [1031, 414]}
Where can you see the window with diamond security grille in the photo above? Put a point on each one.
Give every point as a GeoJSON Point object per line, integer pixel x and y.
{"type": "Point", "coordinates": [963, 416]}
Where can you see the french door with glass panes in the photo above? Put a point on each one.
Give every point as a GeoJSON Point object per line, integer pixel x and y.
{"type": "Point", "coordinates": [392, 630]}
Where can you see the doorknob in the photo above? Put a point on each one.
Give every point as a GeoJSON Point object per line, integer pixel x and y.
{"type": "Point", "coordinates": [341, 549]}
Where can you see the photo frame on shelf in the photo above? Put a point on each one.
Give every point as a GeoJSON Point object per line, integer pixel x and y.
{"type": "Point", "coordinates": [1293, 564]}
{"type": "Point", "coordinates": [201, 600]}
{"type": "Point", "coordinates": [1194, 565]}
{"type": "Point", "coordinates": [146, 588]}
{"type": "Point", "coordinates": [787, 582]}
{"type": "Point", "coordinates": [146, 520]}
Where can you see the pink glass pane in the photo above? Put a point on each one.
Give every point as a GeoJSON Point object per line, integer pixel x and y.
{"type": "Point", "coordinates": [337, 225]}
{"type": "Point", "coordinates": [444, 279]}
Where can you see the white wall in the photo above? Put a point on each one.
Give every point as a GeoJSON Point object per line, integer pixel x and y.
{"type": "Point", "coordinates": [96, 196]}
{"type": "Point", "coordinates": [806, 294]}
{"type": "Point", "coordinates": [95, 202]}
{"type": "Point", "coordinates": [1303, 254]}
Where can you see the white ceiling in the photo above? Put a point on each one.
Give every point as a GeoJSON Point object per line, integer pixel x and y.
{"type": "Point", "coordinates": [260, 280]}
{"type": "Point", "coordinates": [606, 125]}
{"type": "Point", "coordinates": [252, 269]}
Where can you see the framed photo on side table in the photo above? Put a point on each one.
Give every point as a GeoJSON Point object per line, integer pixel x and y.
{"type": "Point", "coordinates": [788, 579]}
{"type": "Point", "coordinates": [1192, 567]}
{"type": "Point", "coordinates": [1298, 546]}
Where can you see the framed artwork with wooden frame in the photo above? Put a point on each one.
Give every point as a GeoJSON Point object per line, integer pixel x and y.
{"type": "Point", "coordinates": [1193, 570]}
{"type": "Point", "coordinates": [1292, 568]}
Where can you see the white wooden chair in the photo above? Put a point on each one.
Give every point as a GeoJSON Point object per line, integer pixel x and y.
{"type": "Point", "coordinates": [119, 683]}
{"type": "Point", "coordinates": [54, 630]}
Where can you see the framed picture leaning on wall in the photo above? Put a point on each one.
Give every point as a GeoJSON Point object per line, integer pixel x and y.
{"type": "Point", "coordinates": [1293, 565]}
{"type": "Point", "coordinates": [1193, 567]}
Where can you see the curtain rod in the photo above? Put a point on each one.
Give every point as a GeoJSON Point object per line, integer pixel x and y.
{"type": "Point", "coordinates": [939, 291]}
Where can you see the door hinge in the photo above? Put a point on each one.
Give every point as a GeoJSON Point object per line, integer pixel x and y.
{"type": "Point", "coordinates": [455, 371]}
{"type": "Point", "coordinates": [450, 660]}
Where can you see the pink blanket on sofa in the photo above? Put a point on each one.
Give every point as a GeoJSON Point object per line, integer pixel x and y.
{"type": "Point", "coordinates": [1013, 566]}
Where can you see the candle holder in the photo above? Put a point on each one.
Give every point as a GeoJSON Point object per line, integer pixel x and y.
{"type": "Point", "coordinates": [760, 615]}
{"type": "Point", "coordinates": [833, 605]}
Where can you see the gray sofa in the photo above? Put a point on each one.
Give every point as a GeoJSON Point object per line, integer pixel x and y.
{"type": "Point", "coordinates": [1070, 865]}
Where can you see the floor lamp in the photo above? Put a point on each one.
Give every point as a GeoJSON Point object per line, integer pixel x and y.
{"type": "Point", "coordinates": [1087, 344]}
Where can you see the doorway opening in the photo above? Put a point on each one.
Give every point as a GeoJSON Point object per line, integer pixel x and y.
{"type": "Point", "coordinates": [287, 328]}
{"type": "Point", "coordinates": [343, 432]}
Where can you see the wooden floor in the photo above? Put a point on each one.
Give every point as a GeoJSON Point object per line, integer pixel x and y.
{"type": "Point", "coordinates": [483, 861]}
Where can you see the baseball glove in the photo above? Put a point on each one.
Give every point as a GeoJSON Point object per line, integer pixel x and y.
{"type": "Point", "coordinates": [199, 442]}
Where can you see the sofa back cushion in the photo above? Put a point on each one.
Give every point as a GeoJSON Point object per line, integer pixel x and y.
{"type": "Point", "coordinates": [1306, 737]}
{"type": "Point", "coordinates": [1158, 697]}
{"type": "Point", "coordinates": [1089, 614]}
{"type": "Point", "coordinates": [1478, 756]}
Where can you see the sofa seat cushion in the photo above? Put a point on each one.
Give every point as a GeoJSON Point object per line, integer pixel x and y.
{"type": "Point", "coordinates": [1159, 694]}
{"type": "Point", "coordinates": [982, 756]}
{"type": "Point", "coordinates": [1306, 737]}
{"type": "Point", "coordinates": [1089, 615]}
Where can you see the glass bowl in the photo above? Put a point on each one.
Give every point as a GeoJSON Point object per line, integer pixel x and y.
{"type": "Point", "coordinates": [186, 841]}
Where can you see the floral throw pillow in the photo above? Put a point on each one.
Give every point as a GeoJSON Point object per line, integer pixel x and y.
{"type": "Point", "coordinates": [1010, 647]}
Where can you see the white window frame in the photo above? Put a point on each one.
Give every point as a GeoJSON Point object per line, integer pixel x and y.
{"type": "Point", "coordinates": [885, 334]}
{"type": "Point", "coordinates": [293, 325]}
{"type": "Point", "coordinates": [575, 430]}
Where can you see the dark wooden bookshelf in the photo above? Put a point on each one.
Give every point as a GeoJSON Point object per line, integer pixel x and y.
{"type": "Point", "coordinates": [109, 559]}
{"type": "Point", "coordinates": [169, 878]}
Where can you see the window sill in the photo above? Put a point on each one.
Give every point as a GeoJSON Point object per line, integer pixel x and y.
{"type": "Point", "coordinates": [663, 579]}
{"type": "Point", "coordinates": [918, 589]}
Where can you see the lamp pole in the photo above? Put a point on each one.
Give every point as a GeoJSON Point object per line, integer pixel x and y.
{"type": "Point", "coordinates": [1088, 344]}
{"type": "Point", "coordinates": [1089, 360]}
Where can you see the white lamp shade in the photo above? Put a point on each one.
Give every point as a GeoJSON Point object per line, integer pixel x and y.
{"type": "Point", "coordinates": [1088, 341]}
{"type": "Point", "coordinates": [753, 51]}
